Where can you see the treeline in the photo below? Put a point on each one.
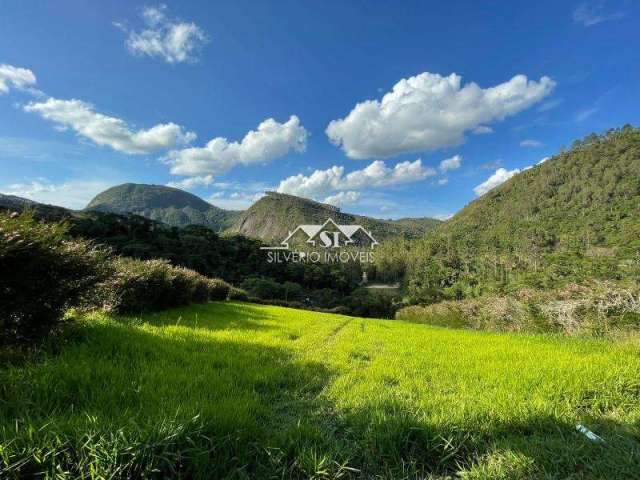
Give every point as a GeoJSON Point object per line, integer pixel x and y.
{"type": "Point", "coordinates": [234, 258]}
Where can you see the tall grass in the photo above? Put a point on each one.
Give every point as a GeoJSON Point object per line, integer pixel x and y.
{"type": "Point", "coordinates": [234, 390]}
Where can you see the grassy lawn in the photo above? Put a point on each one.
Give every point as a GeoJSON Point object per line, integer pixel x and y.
{"type": "Point", "coordinates": [249, 391]}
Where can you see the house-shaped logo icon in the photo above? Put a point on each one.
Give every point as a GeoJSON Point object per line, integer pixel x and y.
{"type": "Point", "coordinates": [327, 235]}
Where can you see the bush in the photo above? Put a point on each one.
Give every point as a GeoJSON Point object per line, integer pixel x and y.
{"type": "Point", "coordinates": [238, 294]}
{"type": "Point", "coordinates": [596, 309]}
{"type": "Point", "coordinates": [42, 275]}
{"type": "Point", "coordinates": [268, 289]}
{"type": "Point", "coordinates": [135, 286]}
{"type": "Point", "coordinates": [218, 289]}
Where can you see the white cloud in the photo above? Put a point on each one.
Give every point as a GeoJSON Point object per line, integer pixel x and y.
{"type": "Point", "coordinates": [530, 143]}
{"type": "Point", "coordinates": [543, 160]}
{"type": "Point", "coordinates": [74, 194]}
{"type": "Point", "coordinates": [500, 176]}
{"type": "Point", "coordinates": [590, 15]}
{"type": "Point", "coordinates": [16, 77]}
{"type": "Point", "coordinates": [443, 181]}
{"type": "Point", "coordinates": [343, 198]}
{"type": "Point", "coordinates": [191, 182]}
{"type": "Point", "coordinates": [582, 115]}
{"type": "Point", "coordinates": [172, 40]}
{"type": "Point", "coordinates": [449, 164]}
{"type": "Point", "coordinates": [482, 130]}
{"type": "Point", "coordinates": [550, 104]}
{"type": "Point", "coordinates": [377, 174]}
{"type": "Point", "coordinates": [270, 141]}
{"type": "Point", "coordinates": [430, 111]}
{"type": "Point", "coordinates": [105, 130]}
{"type": "Point", "coordinates": [235, 200]}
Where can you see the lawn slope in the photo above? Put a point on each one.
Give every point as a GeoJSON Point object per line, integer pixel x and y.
{"type": "Point", "coordinates": [246, 391]}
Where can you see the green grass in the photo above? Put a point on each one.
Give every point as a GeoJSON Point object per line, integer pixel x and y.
{"type": "Point", "coordinates": [248, 391]}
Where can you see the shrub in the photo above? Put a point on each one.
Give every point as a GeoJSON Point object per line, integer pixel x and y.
{"type": "Point", "coordinates": [135, 286]}
{"type": "Point", "coordinates": [237, 294]}
{"type": "Point", "coordinates": [42, 275]}
{"type": "Point", "coordinates": [264, 288]}
{"type": "Point", "coordinates": [191, 285]}
{"type": "Point", "coordinates": [218, 289]}
{"type": "Point", "coordinates": [600, 308]}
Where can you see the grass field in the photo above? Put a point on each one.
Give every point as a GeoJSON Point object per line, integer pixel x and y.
{"type": "Point", "coordinates": [247, 391]}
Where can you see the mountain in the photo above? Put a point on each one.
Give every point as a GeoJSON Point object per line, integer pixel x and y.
{"type": "Point", "coordinates": [40, 210]}
{"type": "Point", "coordinates": [164, 204]}
{"type": "Point", "coordinates": [585, 199]}
{"type": "Point", "coordinates": [269, 219]}
{"type": "Point", "coordinates": [273, 216]}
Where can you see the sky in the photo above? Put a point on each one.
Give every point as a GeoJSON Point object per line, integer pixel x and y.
{"type": "Point", "coordinates": [387, 109]}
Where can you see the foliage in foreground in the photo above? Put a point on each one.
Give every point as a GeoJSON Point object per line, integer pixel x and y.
{"type": "Point", "coordinates": [44, 273]}
{"type": "Point", "coordinates": [232, 390]}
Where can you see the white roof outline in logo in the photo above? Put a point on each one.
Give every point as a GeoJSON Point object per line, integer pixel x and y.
{"type": "Point", "coordinates": [312, 230]}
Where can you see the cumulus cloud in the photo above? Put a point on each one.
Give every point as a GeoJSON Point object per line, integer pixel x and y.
{"type": "Point", "coordinates": [530, 143]}
{"type": "Point", "coordinates": [449, 164]}
{"type": "Point", "coordinates": [16, 77]}
{"type": "Point", "coordinates": [191, 182]}
{"type": "Point", "coordinates": [500, 176]}
{"type": "Point", "coordinates": [430, 111]}
{"type": "Point", "coordinates": [590, 15]}
{"type": "Point", "coordinates": [375, 175]}
{"type": "Point", "coordinates": [270, 141]}
{"type": "Point", "coordinates": [235, 200]}
{"type": "Point", "coordinates": [482, 130]}
{"type": "Point", "coordinates": [74, 194]}
{"type": "Point", "coordinates": [172, 40]}
{"type": "Point", "coordinates": [105, 130]}
{"type": "Point", "coordinates": [343, 198]}
{"type": "Point", "coordinates": [443, 181]}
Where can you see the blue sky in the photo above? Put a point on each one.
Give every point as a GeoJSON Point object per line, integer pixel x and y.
{"type": "Point", "coordinates": [388, 109]}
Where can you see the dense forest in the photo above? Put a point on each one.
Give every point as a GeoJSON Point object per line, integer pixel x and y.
{"type": "Point", "coordinates": [571, 218]}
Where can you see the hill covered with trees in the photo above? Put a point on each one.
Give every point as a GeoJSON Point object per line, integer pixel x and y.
{"type": "Point", "coordinates": [272, 217]}
{"type": "Point", "coordinates": [169, 205]}
{"type": "Point", "coordinates": [574, 217]}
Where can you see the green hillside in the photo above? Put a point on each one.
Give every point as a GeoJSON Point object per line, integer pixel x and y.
{"type": "Point", "coordinates": [272, 217]}
{"type": "Point", "coordinates": [235, 390]}
{"type": "Point", "coordinates": [169, 205]}
{"type": "Point", "coordinates": [585, 198]}
{"type": "Point", "coordinates": [573, 218]}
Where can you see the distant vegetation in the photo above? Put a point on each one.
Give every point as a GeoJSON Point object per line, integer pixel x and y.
{"type": "Point", "coordinates": [269, 219]}
{"type": "Point", "coordinates": [272, 217]}
{"type": "Point", "coordinates": [165, 204]}
{"type": "Point", "coordinates": [573, 219]}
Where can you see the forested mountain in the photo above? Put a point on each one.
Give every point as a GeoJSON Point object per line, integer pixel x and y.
{"type": "Point", "coordinates": [587, 198]}
{"type": "Point", "coordinates": [273, 216]}
{"type": "Point", "coordinates": [575, 216]}
{"type": "Point", "coordinates": [269, 219]}
{"type": "Point", "coordinates": [169, 205]}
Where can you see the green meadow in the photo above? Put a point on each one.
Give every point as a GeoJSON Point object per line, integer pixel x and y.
{"type": "Point", "coordinates": [236, 390]}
